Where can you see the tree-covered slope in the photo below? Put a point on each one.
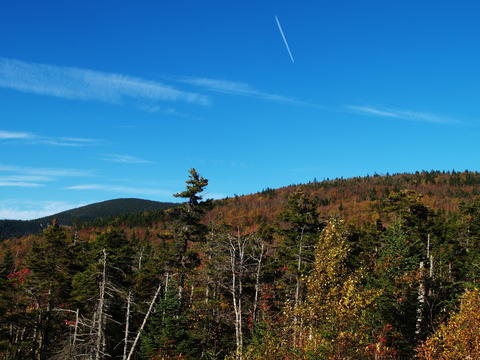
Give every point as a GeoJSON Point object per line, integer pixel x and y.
{"type": "Point", "coordinates": [88, 213]}
{"type": "Point", "coordinates": [379, 267]}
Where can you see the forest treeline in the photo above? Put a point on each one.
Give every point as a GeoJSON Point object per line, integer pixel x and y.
{"type": "Point", "coordinates": [297, 282]}
{"type": "Point", "coordinates": [100, 211]}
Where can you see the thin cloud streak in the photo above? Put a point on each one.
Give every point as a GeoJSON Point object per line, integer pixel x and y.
{"type": "Point", "coordinates": [403, 114]}
{"type": "Point", "coordinates": [120, 189]}
{"type": "Point", "coordinates": [284, 38]}
{"type": "Point", "coordinates": [48, 172]}
{"type": "Point", "coordinates": [241, 89]}
{"type": "Point", "coordinates": [85, 84]}
{"type": "Point", "coordinates": [127, 159]}
{"type": "Point", "coordinates": [19, 184]}
{"type": "Point", "coordinates": [13, 135]}
{"type": "Point", "coordinates": [27, 178]}
{"type": "Point", "coordinates": [373, 111]}
{"type": "Point", "coordinates": [31, 138]}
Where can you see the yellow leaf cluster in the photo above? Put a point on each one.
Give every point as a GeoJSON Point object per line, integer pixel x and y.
{"type": "Point", "coordinates": [459, 338]}
{"type": "Point", "coordinates": [333, 316]}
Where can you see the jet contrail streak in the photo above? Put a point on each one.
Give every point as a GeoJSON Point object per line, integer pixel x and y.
{"type": "Point", "coordinates": [284, 39]}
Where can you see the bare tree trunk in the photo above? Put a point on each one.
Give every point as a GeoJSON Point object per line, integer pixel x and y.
{"type": "Point", "coordinates": [298, 284]}
{"type": "Point", "coordinates": [207, 286]}
{"type": "Point", "coordinates": [127, 322]}
{"type": "Point", "coordinates": [147, 315]}
{"type": "Point", "coordinates": [240, 291]}
{"type": "Point", "coordinates": [100, 315]}
{"type": "Point", "coordinates": [421, 302]}
{"type": "Point", "coordinates": [206, 293]}
{"type": "Point", "coordinates": [191, 295]}
{"type": "Point", "coordinates": [181, 280]}
{"type": "Point", "coordinates": [75, 332]}
{"type": "Point", "coordinates": [237, 246]}
{"type": "Point", "coordinates": [234, 292]}
{"type": "Point", "coordinates": [428, 246]}
{"type": "Point", "coordinates": [257, 283]}
{"type": "Point", "coordinates": [140, 259]}
{"type": "Point", "coordinates": [166, 285]}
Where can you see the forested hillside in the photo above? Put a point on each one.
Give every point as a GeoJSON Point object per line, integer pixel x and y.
{"type": "Point", "coordinates": [88, 213]}
{"type": "Point", "coordinates": [379, 267]}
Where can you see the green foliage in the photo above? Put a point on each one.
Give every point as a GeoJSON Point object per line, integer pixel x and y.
{"type": "Point", "coordinates": [168, 335]}
{"type": "Point", "coordinates": [395, 274]}
{"type": "Point", "coordinates": [299, 233]}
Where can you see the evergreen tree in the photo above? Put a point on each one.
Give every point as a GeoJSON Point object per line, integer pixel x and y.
{"type": "Point", "coordinates": [396, 274]}
{"type": "Point", "coordinates": [8, 264]}
{"type": "Point", "coordinates": [299, 235]}
{"type": "Point", "coordinates": [168, 335]}
{"type": "Point", "coordinates": [49, 287]}
{"type": "Point", "coordinates": [189, 228]}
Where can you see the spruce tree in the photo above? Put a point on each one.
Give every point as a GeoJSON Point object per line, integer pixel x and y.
{"type": "Point", "coordinates": [299, 235]}
{"type": "Point", "coordinates": [188, 224]}
{"type": "Point", "coordinates": [49, 287]}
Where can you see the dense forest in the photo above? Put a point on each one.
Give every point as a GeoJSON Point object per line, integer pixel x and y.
{"type": "Point", "coordinates": [379, 267]}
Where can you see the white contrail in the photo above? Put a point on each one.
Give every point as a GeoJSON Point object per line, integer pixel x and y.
{"type": "Point", "coordinates": [284, 39]}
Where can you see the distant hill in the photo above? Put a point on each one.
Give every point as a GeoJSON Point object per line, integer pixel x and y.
{"type": "Point", "coordinates": [88, 213]}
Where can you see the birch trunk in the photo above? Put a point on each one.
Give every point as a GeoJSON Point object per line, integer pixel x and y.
{"type": "Point", "coordinates": [127, 322]}
{"type": "Point", "coordinates": [147, 315]}
{"type": "Point", "coordinates": [237, 249]}
{"type": "Point", "coordinates": [257, 283]}
{"type": "Point", "coordinates": [421, 302]}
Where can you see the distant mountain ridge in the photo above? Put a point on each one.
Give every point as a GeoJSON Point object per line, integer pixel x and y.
{"type": "Point", "coordinates": [87, 213]}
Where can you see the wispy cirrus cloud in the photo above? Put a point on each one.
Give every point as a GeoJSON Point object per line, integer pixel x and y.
{"type": "Point", "coordinates": [167, 111]}
{"type": "Point", "coordinates": [30, 177]}
{"type": "Point", "coordinates": [126, 159]}
{"type": "Point", "coordinates": [9, 135]}
{"type": "Point", "coordinates": [31, 138]}
{"type": "Point", "coordinates": [402, 114]}
{"type": "Point", "coordinates": [241, 89]}
{"type": "Point", "coordinates": [26, 178]}
{"type": "Point", "coordinates": [19, 184]}
{"type": "Point", "coordinates": [120, 189]}
{"type": "Point", "coordinates": [63, 141]}
{"type": "Point", "coordinates": [85, 84]}
{"type": "Point", "coordinates": [45, 172]}
{"type": "Point", "coordinates": [18, 209]}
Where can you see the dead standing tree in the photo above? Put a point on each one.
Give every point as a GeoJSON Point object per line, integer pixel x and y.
{"type": "Point", "coordinates": [238, 266]}
{"type": "Point", "coordinates": [237, 246]}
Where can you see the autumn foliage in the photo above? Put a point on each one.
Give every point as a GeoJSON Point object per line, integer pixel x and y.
{"type": "Point", "coordinates": [459, 337]}
{"type": "Point", "coordinates": [363, 268]}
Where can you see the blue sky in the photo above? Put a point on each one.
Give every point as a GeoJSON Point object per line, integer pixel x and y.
{"type": "Point", "coordinates": [108, 99]}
